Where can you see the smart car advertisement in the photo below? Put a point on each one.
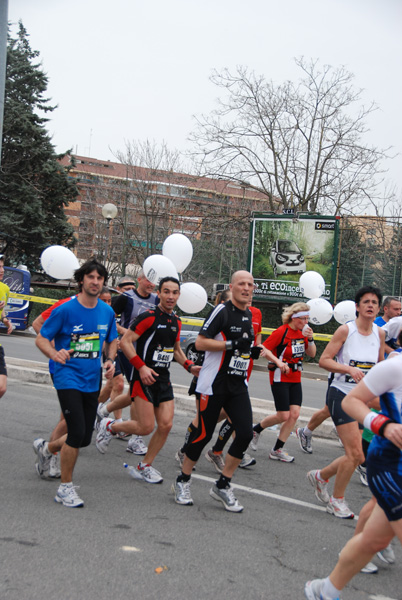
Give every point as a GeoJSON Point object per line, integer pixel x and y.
{"type": "Point", "coordinates": [283, 247]}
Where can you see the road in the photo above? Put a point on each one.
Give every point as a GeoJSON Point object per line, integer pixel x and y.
{"type": "Point", "coordinates": [128, 529]}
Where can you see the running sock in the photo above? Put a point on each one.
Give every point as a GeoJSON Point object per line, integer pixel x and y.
{"type": "Point", "coordinates": [329, 591]}
{"type": "Point", "coordinates": [66, 485]}
{"type": "Point", "coordinates": [183, 478]}
{"type": "Point", "coordinates": [279, 444]}
{"type": "Point", "coordinates": [223, 482]}
{"type": "Point", "coordinates": [307, 432]}
{"type": "Point", "coordinates": [108, 427]}
{"type": "Point", "coordinates": [191, 429]}
{"type": "Point", "coordinates": [46, 450]}
{"type": "Point", "coordinates": [320, 478]}
{"type": "Point", "coordinates": [224, 435]}
{"type": "Point", "coordinates": [257, 428]}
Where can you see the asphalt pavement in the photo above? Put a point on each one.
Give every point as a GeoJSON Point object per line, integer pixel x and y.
{"type": "Point", "coordinates": [132, 540]}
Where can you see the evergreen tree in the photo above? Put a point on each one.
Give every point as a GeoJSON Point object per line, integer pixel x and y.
{"type": "Point", "coordinates": [34, 187]}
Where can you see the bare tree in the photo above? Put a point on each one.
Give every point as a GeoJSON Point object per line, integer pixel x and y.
{"type": "Point", "coordinates": [149, 207]}
{"type": "Point", "coordinates": [301, 144]}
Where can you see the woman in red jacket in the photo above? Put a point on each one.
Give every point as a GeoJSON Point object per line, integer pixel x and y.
{"type": "Point", "coordinates": [285, 349]}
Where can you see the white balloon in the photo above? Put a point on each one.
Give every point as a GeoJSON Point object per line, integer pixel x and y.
{"type": "Point", "coordinates": [193, 298]}
{"type": "Point", "coordinates": [312, 284]}
{"type": "Point", "coordinates": [345, 311]}
{"type": "Point", "coordinates": [321, 311]}
{"type": "Point", "coordinates": [59, 262]}
{"type": "Point", "coordinates": [156, 267]}
{"type": "Point", "coordinates": [178, 248]}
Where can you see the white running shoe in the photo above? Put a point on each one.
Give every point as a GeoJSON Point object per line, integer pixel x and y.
{"type": "Point", "coordinates": [227, 497]}
{"type": "Point", "coordinates": [312, 590]}
{"type": "Point", "coordinates": [247, 461]}
{"type": "Point", "coordinates": [304, 440]}
{"type": "Point", "coordinates": [339, 508]}
{"type": "Point", "coordinates": [387, 555]}
{"type": "Point", "coordinates": [281, 455]}
{"type": "Point", "coordinates": [320, 487]}
{"type": "Point", "coordinates": [369, 568]}
{"type": "Point", "coordinates": [136, 446]}
{"type": "Point", "coordinates": [362, 474]}
{"type": "Point", "coordinates": [54, 467]}
{"type": "Point", "coordinates": [104, 435]}
{"type": "Point", "coordinates": [179, 456]}
{"type": "Point", "coordinates": [147, 473]}
{"type": "Point", "coordinates": [182, 493]}
{"type": "Point", "coordinates": [67, 496]}
{"type": "Point", "coordinates": [42, 464]}
{"type": "Point", "coordinates": [101, 413]}
{"type": "Point", "coordinates": [254, 441]}
{"type": "Point", "coordinates": [215, 459]}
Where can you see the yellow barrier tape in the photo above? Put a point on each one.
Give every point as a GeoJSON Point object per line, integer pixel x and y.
{"type": "Point", "coordinates": [33, 298]}
{"type": "Point", "coordinates": [320, 337]}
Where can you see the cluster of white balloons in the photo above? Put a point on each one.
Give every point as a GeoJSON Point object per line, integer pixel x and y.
{"type": "Point", "coordinates": [312, 285]}
{"type": "Point", "coordinates": [177, 252]}
{"type": "Point", "coordinates": [59, 262]}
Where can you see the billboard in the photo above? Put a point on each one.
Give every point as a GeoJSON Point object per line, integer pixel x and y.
{"type": "Point", "coordinates": [283, 247]}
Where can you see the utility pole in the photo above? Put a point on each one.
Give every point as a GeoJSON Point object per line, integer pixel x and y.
{"type": "Point", "coordinates": [3, 61]}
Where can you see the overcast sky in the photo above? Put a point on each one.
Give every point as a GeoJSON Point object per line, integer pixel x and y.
{"type": "Point", "coordinates": [124, 69]}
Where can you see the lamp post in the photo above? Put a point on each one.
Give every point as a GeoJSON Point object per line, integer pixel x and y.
{"type": "Point", "coordinates": [109, 211]}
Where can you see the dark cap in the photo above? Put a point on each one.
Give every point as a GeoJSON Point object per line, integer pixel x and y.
{"type": "Point", "coordinates": [123, 281]}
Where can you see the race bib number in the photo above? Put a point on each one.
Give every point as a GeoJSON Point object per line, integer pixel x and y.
{"type": "Point", "coordinates": [362, 365]}
{"type": "Point", "coordinates": [163, 357]}
{"type": "Point", "coordinates": [85, 345]}
{"type": "Point", "coordinates": [238, 365]}
{"type": "Point", "coordinates": [297, 348]}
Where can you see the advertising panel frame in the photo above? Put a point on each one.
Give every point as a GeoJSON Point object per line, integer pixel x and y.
{"type": "Point", "coordinates": [287, 259]}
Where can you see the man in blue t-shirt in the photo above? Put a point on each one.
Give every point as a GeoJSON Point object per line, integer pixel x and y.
{"type": "Point", "coordinates": [391, 308]}
{"type": "Point", "coordinates": [79, 329]}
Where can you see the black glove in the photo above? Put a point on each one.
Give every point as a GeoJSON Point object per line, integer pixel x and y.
{"type": "Point", "coordinates": [241, 344]}
{"type": "Point", "coordinates": [255, 352]}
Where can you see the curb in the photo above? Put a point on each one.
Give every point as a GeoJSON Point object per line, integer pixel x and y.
{"type": "Point", "coordinates": [30, 371]}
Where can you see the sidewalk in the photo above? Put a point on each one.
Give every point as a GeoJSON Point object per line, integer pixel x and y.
{"type": "Point", "coordinates": [29, 371]}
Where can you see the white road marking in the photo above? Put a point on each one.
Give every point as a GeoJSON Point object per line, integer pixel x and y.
{"type": "Point", "coordinates": [257, 492]}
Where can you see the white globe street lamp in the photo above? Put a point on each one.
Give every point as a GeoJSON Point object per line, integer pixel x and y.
{"type": "Point", "coordinates": [109, 211]}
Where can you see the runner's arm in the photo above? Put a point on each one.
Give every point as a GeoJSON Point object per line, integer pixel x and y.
{"type": "Point", "coordinates": [355, 405]}
{"type": "Point", "coordinates": [205, 344]}
{"type": "Point", "coordinates": [126, 343]}
{"type": "Point", "coordinates": [382, 349]}
{"type": "Point", "coordinates": [109, 364]}
{"type": "Point", "coordinates": [147, 374]}
{"type": "Point", "coordinates": [180, 357]}
{"type": "Point", "coordinates": [37, 324]}
{"type": "Point", "coordinates": [46, 346]}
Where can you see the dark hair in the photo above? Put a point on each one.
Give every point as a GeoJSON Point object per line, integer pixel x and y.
{"type": "Point", "coordinates": [388, 301]}
{"type": "Point", "coordinates": [368, 289]}
{"type": "Point", "coordinates": [105, 290]}
{"type": "Point", "coordinates": [222, 296]}
{"type": "Point", "coordinates": [165, 279]}
{"type": "Point", "coordinates": [90, 265]}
